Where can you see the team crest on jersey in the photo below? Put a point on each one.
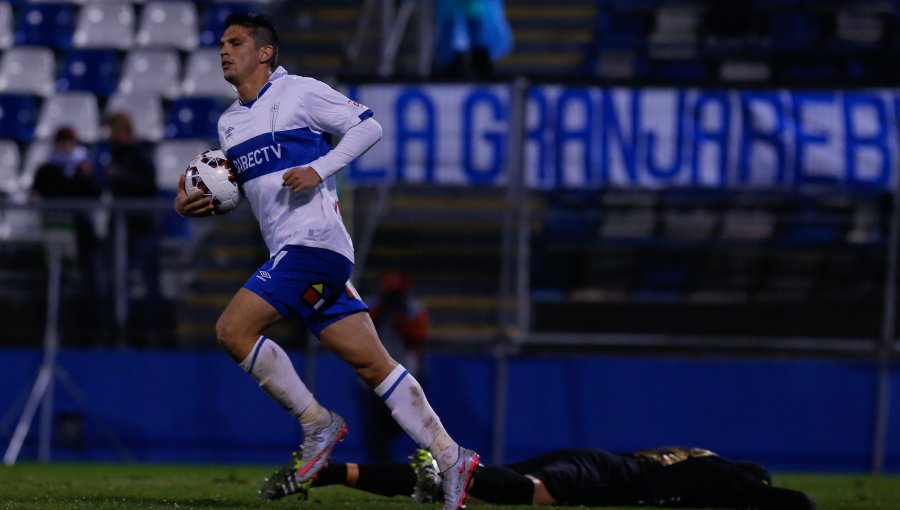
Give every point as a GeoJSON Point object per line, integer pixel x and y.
{"type": "Point", "coordinates": [314, 296]}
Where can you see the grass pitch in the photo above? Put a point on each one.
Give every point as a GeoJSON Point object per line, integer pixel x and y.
{"type": "Point", "coordinates": [183, 487]}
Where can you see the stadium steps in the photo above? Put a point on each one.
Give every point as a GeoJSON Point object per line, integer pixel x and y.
{"type": "Point", "coordinates": [230, 248]}
{"type": "Point", "coordinates": [315, 46]}
{"type": "Point", "coordinates": [549, 39]}
{"type": "Point", "coordinates": [449, 240]}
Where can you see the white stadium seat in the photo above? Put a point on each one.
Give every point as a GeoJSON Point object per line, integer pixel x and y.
{"type": "Point", "coordinates": [6, 25]}
{"type": "Point", "coordinates": [28, 70]}
{"type": "Point", "coordinates": [203, 76]}
{"type": "Point", "coordinates": [105, 25]}
{"type": "Point", "coordinates": [156, 72]}
{"type": "Point", "coordinates": [172, 158]}
{"type": "Point", "coordinates": [10, 160]}
{"type": "Point", "coordinates": [146, 114]}
{"type": "Point", "coordinates": [74, 109]}
{"type": "Point", "coordinates": [169, 24]}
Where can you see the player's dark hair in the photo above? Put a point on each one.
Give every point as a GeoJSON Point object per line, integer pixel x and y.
{"type": "Point", "coordinates": [262, 29]}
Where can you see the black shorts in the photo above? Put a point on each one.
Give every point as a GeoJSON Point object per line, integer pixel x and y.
{"type": "Point", "coordinates": [584, 476]}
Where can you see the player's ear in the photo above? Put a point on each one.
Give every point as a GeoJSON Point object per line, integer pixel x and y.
{"type": "Point", "coordinates": [266, 52]}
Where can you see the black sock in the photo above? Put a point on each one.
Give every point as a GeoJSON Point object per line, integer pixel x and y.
{"type": "Point", "coordinates": [387, 479]}
{"type": "Point", "coordinates": [498, 484]}
{"type": "Point", "coordinates": [332, 474]}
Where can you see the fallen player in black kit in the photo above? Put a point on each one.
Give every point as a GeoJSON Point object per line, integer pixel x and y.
{"type": "Point", "coordinates": [667, 477]}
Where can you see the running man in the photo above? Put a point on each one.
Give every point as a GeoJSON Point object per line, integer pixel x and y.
{"type": "Point", "coordinates": [277, 136]}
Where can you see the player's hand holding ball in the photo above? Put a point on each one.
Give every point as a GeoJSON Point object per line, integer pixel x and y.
{"type": "Point", "coordinates": [208, 186]}
{"type": "Point", "coordinates": [301, 178]}
{"type": "Point", "coordinates": [197, 204]}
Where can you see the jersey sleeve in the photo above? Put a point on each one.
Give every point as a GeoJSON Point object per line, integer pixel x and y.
{"type": "Point", "coordinates": [330, 111]}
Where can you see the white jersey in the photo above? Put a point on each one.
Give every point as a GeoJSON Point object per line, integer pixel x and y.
{"type": "Point", "coordinates": [290, 124]}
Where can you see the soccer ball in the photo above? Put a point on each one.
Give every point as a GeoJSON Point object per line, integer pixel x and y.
{"type": "Point", "coordinates": [211, 173]}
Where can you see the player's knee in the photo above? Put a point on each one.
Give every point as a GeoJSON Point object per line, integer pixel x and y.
{"type": "Point", "coordinates": [368, 374]}
{"type": "Point", "coordinates": [226, 334]}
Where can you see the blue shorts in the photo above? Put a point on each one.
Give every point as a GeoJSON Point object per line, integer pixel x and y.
{"type": "Point", "coordinates": [311, 282]}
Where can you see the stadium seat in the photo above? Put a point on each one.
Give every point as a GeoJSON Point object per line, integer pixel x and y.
{"type": "Point", "coordinates": [17, 117]}
{"type": "Point", "coordinates": [155, 72]}
{"type": "Point", "coordinates": [10, 160]}
{"type": "Point", "coordinates": [172, 158]}
{"type": "Point", "coordinates": [27, 70]}
{"type": "Point", "coordinates": [680, 71]}
{"type": "Point", "coordinates": [6, 25]}
{"type": "Point", "coordinates": [169, 24]}
{"type": "Point", "coordinates": [794, 31]}
{"type": "Point", "coordinates": [195, 117]}
{"type": "Point", "coordinates": [76, 109]}
{"type": "Point", "coordinates": [213, 24]}
{"type": "Point", "coordinates": [46, 25]}
{"type": "Point", "coordinates": [146, 113]}
{"type": "Point", "coordinates": [626, 31]}
{"type": "Point", "coordinates": [105, 25]}
{"type": "Point", "coordinates": [95, 71]}
{"type": "Point", "coordinates": [203, 76]}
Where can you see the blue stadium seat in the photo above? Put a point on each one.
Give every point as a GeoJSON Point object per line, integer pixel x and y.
{"type": "Point", "coordinates": [213, 21]}
{"type": "Point", "coordinates": [194, 117]}
{"type": "Point", "coordinates": [774, 4]}
{"type": "Point", "coordinates": [18, 117]}
{"type": "Point", "coordinates": [46, 25]}
{"type": "Point", "coordinates": [812, 73]}
{"type": "Point", "coordinates": [94, 71]}
{"type": "Point", "coordinates": [793, 31]}
{"type": "Point", "coordinates": [622, 30]}
{"type": "Point", "coordinates": [680, 71]}
{"type": "Point", "coordinates": [631, 5]}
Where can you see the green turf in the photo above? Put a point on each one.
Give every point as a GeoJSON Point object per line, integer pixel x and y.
{"type": "Point", "coordinates": [151, 487]}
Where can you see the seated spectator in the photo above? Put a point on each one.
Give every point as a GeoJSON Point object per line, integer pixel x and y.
{"type": "Point", "coordinates": [130, 174]}
{"type": "Point", "coordinates": [69, 173]}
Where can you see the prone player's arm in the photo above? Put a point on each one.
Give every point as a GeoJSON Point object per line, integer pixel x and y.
{"type": "Point", "coordinates": [195, 205]}
{"type": "Point", "coordinates": [356, 141]}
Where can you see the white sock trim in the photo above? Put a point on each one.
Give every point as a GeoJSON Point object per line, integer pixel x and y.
{"type": "Point", "coordinates": [250, 360]}
{"type": "Point", "coordinates": [389, 384]}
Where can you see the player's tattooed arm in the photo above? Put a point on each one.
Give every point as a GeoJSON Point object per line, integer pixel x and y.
{"type": "Point", "coordinates": [194, 205]}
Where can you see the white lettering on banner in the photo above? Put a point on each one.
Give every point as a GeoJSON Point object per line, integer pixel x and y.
{"type": "Point", "coordinates": [629, 137]}
{"type": "Point", "coordinates": [256, 157]}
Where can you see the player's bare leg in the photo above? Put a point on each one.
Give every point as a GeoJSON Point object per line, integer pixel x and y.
{"type": "Point", "coordinates": [239, 332]}
{"type": "Point", "coordinates": [355, 340]}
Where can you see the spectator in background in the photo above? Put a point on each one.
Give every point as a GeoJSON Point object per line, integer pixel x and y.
{"type": "Point", "coordinates": [69, 173]}
{"type": "Point", "coordinates": [130, 174]}
{"type": "Point", "coordinates": [402, 324]}
{"type": "Point", "coordinates": [471, 35]}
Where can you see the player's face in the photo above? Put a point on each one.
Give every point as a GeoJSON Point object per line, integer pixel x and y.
{"type": "Point", "coordinates": [239, 55]}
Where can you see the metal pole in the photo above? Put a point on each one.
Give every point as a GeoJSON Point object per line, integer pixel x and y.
{"type": "Point", "coordinates": [426, 37]}
{"type": "Point", "coordinates": [514, 263]}
{"type": "Point", "coordinates": [120, 277]}
{"type": "Point", "coordinates": [42, 391]}
{"type": "Point", "coordinates": [501, 392]}
{"type": "Point", "coordinates": [518, 121]}
{"type": "Point", "coordinates": [888, 326]}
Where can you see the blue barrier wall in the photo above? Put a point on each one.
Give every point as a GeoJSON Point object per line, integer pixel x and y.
{"type": "Point", "coordinates": [198, 406]}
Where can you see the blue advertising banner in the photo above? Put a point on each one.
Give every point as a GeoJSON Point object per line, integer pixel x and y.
{"type": "Point", "coordinates": [634, 137]}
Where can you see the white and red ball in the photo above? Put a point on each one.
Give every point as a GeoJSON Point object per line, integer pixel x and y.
{"type": "Point", "coordinates": [211, 173]}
